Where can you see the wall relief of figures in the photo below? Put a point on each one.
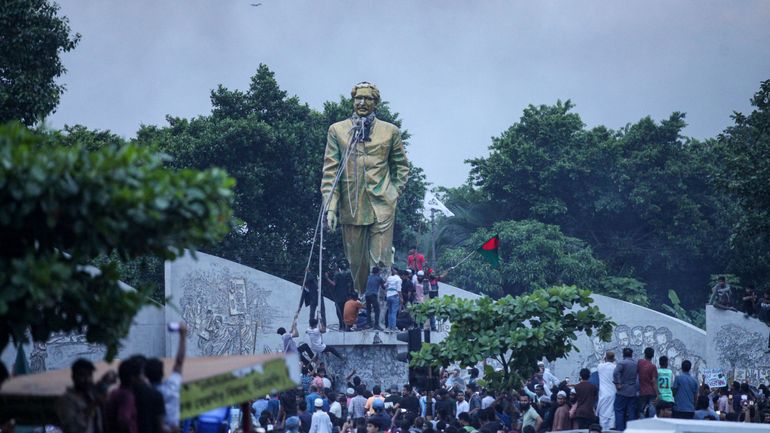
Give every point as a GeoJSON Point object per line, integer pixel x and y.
{"type": "Point", "coordinates": [224, 311]}
{"type": "Point", "coordinates": [60, 350]}
{"type": "Point", "coordinates": [738, 347]}
{"type": "Point", "coordinates": [638, 338]}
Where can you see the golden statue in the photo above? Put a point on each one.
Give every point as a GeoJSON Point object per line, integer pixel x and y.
{"type": "Point", "coordinates": [372, 178]}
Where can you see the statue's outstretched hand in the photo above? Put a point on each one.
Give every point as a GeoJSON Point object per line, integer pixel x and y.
{"type": "Point", "coordinates": [331, 220]}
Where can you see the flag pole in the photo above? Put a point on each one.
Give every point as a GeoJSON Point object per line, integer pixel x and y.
{"type": "Point", "coordinates": [464, 259]}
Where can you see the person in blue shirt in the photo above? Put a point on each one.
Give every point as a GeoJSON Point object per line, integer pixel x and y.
{"type": "Point", "coordinates": [685, 392]}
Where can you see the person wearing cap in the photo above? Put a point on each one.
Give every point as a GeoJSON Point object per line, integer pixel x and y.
{"type": "Point", "coordinates": [376, 395]}
{"type": "Point", "coordinates": [537, 395]}
{"type": "Point", "coordinates": [320, 423]}
{"type": "Point", "coordinates": [379, 415]}
{"type": "Point", "coordinates": [292, 424]}
{"type": "Point", "coordinates": [357, 404]}
{"type": "Point", "coordinates": [421, 287]}
{"type": "Point", "coordinates": [79, 409]}
{"type": "Point", "coordinates": [561, 419]}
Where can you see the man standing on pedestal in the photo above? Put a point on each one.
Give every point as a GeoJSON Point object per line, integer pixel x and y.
{"type": "Point", "coordinates": [372, 178]}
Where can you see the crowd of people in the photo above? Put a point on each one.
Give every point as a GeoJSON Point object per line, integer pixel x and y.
{"type": "Point", "coordinates": [383, 303]}
{"type": "Point", "coordinates": [137, 399]}
{"type": "Point", "coordinates": [619, 391]}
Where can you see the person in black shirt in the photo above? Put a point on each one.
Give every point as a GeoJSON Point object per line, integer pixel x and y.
{"type": "Point", "coordinates": [445, 405]}
{"type": "Point", "coordinates": [409, 401]}
{"type": "Point", "coordinates": [150, 407]}
{"type": "Point", "coordinates": [288, 401]}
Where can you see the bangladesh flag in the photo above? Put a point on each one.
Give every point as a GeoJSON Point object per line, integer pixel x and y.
{"type": "Point", "coordinates": [490, 250]}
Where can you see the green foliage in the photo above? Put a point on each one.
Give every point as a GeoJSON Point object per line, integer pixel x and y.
{"type": "Point", "coordinates": [641, 197]}
{"type": "Point", "coordinates": [694, 317]}
{"type": "Point", "coordinates": [745, 175]}
{"type": "Point", "coordinates": [535, 256]}
{"type": "Point", "coordinates": [625, 288]}
{"type": "Point", "coordinates": [516, 332]}
{"type": "Point", "coordinates": [65, 206]}
{"type": "Point", "coordinates": [273, 146]}
{"type": "Point", "coordinates": [32, 37]}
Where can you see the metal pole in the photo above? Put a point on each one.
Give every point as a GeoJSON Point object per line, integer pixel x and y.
{"type": "Point", "coordinates": [434, 263]}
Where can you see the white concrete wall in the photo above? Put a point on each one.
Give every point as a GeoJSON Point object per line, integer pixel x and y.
{"type": "Point", "coordinates": [738, 344]}
{"type": "Point", "coordinates": [146, 336]}
{"type": "Point", "coordinates": [638, 328]}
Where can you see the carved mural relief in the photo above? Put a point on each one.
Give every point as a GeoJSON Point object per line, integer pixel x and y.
{"type": "Point", "coordinates": [741, 347]}
{"type": "Point", "coordinates": [224, 311]}
{"type": "Point", "coordinates": [638, 338]}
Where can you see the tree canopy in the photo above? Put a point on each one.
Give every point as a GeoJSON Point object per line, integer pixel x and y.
{"type": "Point", "coordinates": [516, 332]}
{"type": "Point", "coordinates": [536, 256]}
{"type": "Point", "coordinates": [744, 173]}
{"type": "Point", "coordinates": [641, 197]}
{"type": "Point", "coordinates": [33, 38]}
{"type": "Point", "coordinates": [64, 206]}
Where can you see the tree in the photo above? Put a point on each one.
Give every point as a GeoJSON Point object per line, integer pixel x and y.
{"type": "Point", "coordinates": [641, 196]}
{"type": "Point", "coordinates": [744, 173]}
{"type": "Point", "coordinates": [65, 206]}
{"type": "Point", "coordinates": [535, 256]}
{"type": "Point", "coordinates": [33, 36]}
{"type": "Point", "coordinates": [516, 332]}
{"type": "Point", "coordinates": [271, 144]}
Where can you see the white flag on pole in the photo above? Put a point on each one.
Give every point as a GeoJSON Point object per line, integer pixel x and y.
{"type": "Point", "coordinates": [432, 204]}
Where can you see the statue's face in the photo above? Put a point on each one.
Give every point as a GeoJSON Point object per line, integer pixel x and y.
{"type": "Point", "coordinates": [364, 102]}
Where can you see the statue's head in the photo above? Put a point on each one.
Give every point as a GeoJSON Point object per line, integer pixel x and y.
{"type": "Point", "coordinates": [365, 96]}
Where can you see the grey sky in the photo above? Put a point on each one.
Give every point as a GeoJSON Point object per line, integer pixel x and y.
{"type": "Point", "coordinates": [459, 72]}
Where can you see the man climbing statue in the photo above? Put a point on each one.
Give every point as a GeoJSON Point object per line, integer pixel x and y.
{"type": "Point", "coordinates": [374, 173]}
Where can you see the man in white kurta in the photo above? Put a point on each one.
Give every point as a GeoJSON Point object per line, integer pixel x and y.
{"type": "Point", "coordinates": [606, 406]}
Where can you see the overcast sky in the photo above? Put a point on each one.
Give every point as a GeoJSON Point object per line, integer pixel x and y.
{"type": "Point", "coordinates": [459, 72]}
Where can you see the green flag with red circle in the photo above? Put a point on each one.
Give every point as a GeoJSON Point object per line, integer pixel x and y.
{"type": "Point", "coordinates": [490, 250]}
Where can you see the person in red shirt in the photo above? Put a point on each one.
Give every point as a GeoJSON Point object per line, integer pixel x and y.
{"type": "Point", "coordinates": [648, 384]}
{"type": "Point", "coordinates": [415, 260]}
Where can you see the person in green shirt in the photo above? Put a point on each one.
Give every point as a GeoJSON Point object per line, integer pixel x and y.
{"type": "Point", "coordinates": [665, 380]}
{"type": "Point", "coordinates": [529, 414]}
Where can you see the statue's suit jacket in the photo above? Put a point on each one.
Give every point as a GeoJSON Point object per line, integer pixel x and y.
{"type": "Point", "coordinates": [382, 170]}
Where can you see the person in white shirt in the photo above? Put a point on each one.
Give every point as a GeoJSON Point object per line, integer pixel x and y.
{"type": "Point", "coordinates": [336, 407]}
{"type": "Point", "coordinates": [316, 346]}
{"type": "Point", "coordinates": [171, 387]}
{"type": "Point", "coordinates": [393, 297]}
{"type": "Point", "coordinates": [320, 423]}
{"type": "Point", "coordinates": [462, 405]}
{"type": "Point", "coordinates": [549, 379]}
{"type": "Point", "coordinates": [605, 409]}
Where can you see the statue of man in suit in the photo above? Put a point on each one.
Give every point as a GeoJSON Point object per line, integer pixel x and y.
{"type": "Point", "coordinates": [373, 176]}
